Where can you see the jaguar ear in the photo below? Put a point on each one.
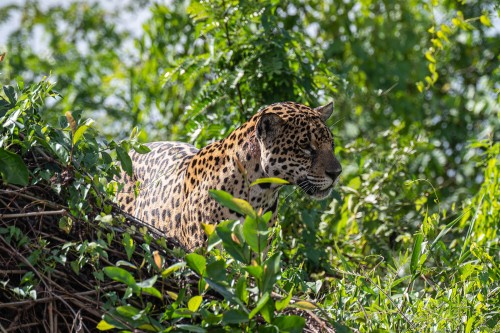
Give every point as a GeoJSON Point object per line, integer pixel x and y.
{"type": "Point", "coordinates": [325, 110]}
{"type": "Point", "coordinates": [269, 126]}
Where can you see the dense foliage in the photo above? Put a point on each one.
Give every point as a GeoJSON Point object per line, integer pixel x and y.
{"type": "Point", "coordinates": [409, 240]}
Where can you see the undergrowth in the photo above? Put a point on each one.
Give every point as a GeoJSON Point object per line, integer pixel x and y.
{"type": "Point", "coordinates": [68, 253]}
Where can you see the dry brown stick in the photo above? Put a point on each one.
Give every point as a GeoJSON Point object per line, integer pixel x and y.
{"type": "Point", "coordinates": [61, 315]}
{"type": "Point", "coordinates": [12, 271]}
{"type": "Point", "coordinates": [16, 319]}
{"type": "Point", "coordinates": [18, 191]}
{"type": "Point", "coordinates": [50, 306]}
{"type": "Point", "coordinates": [16, 305]}
{"type": "Point", "coordinates": [22, 326]}
{"type": "Point", "coordinates": [30, 214]}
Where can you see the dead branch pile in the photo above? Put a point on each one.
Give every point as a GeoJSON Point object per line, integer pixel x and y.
{"type": "Point", "coordinates": [62, 301]}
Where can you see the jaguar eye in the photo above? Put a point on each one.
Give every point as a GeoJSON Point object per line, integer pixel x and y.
{"type": "Point", "coordinates": [308, 150]}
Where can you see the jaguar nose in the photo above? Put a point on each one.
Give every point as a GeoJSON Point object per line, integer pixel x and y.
{"type": "Point", "coordinates": [334, 174]}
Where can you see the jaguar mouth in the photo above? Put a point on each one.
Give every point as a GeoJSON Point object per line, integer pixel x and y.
{"type": "Point", "coordinates": [315, 191]}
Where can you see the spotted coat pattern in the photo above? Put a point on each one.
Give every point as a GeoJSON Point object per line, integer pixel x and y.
{"type": "Point", "coordinates": [285, 140]}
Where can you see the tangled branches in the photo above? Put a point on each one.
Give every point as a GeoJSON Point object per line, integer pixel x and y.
{"type": "Point", "coordinates": [48, 282]}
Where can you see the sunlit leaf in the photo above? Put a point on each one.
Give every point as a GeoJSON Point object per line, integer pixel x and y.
{"type": "Point", "coordinates": [194, 303]}
{"type": "Point", "coordinates": [281, 304]}
{"type": "Point", "coordinates": [81, 130]}
{"type": "Point", "coordinates": [172, 269]}
{"type": "Point", "coordinates": [277, 181]}
{"type": "Point", "coordinates": [104, 326]}
{"type": "Point", "coordinates": [260, 304]}
{"type": "Point", "coordinates": [197, 263]}
{"type": "Point", "coordinates": [485, 20]}
{"type": "Point", "coordinates": [304, 305]}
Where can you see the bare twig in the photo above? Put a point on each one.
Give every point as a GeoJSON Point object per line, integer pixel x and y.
{"type": "Point", "coordinates": [20, 192]}
{"type": "Point", "coordinates": [31, 214]}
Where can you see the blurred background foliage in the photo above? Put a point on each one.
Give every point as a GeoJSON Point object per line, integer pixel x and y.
{"type": "Point", "coordinates": [415, 85]}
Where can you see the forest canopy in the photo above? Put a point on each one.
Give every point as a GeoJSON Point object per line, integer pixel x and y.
{"type": "Point", "coordinates": [409, 239]}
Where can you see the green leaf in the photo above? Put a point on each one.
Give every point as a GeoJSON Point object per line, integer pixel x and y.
{"type": "Point", "coordinates": [128, 244]}
{"type": "Point", "coordinates": [237, 205]}
{"type": "Point", "coordinates": [256, 271]}
{"type": "Point", "coordinates": [277, 181]}
{"type": "Point", "coordinates": [231, 241]}
{"type": "Point", "coordinates": [255, 233]}
{"type": "Point", "coordinates": [290, 324]}
{"type": "Point", "coordinates": [485, 20]}
{"type": "Point", "coordinates": [417, 248]}
{"type": "Point", "coordinates": [149, 327]}
{"type": "Point", "coordinates": [13, 169]}
{"type": "Point", "coordinates": [172, 269]}
{"type": "Point", "coordinates": [217, 270]}
{"type": "Point", "coordinates": [141, 149]}
{"type": "Point", "coordinates": [126, 264]}
{"type": "Point", "coordinates": [271, 272]}
{"type": "Point", "coordinates": [304, 305]}
{"type": "Point", "coordinates": [11, 94]}
{"type": "Point", "coordinates": [197, 263]}
{"type": "Point", "coordinates": [241, 289]}
{"type": "Point", "coordinates": [226, 293]}
{"type": "Point", "coordinates": [197, 11]}
{"type": "Point", "coordinates": [120, 275]}
{"type": "Point", "coordinates": [125, 160]}
{"type": "Point", "coordinates": [194, 303]}
{"type": "Point", "coordinates": [470, 323]}
{"type": "Point", "coordinates": [420, 86]}
{"type": "Point", "coordinates": [81, 130]}
{"type": "Point", "coordinates": [192, 328]}
{"type": "Point", "coordinates": [152, 291]}
{"type": "Point", "coordinates": [104, 326]}
{"type": "Point", "coordinates": [234, 316]}
{"type": "Point", "coordinates": [281, 304]}
{"type": "Point", "coordinates": [147, 283]}
{"type": "Point", "coordinates": [127, 311]}
{"type": "Point", "coordinates": [260, 304]}
{"type": "Point", "coordinates": [429, 56]}
{"type": "Point", "coordinates": [267, 311]}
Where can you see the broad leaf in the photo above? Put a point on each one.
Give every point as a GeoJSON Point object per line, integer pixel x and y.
{"type": "Point", "coordinates": [13, 169]}
{"type": "Point", "coordinates": [281, 304]}
{"type": "Point", "coordinates": [271, 271]}
{"type": "Point", "coordinates": [81, 130]}
{"type": "Point", "coordinates": [228, 294]}
{"type": "Point", "coordinates": [290, 324]}
{"type": "Point", "coordinates": [120, 275]}
{"type": "Point", "coordinates": [125, 160]}
{"type": "Point", "coordinates": [234, 316]}
{"type": "Point", "coordinates": [255, 233]}
{"type": "Point", "coordinates": [260, 304]}
{"type": "Point", "coordinates": [104, 326]}
{"type": "Point", "coordinates": [197, 263]}
{"type": "Point", "coordinates": [235, 204]}
{"type": "Point", "coordinates": [172, 269]}
{"type": "Point", "coordinates": [194, 303]}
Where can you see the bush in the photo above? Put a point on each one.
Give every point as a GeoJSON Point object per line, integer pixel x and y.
{"type": "Point", "coordinates": [408, 241]}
